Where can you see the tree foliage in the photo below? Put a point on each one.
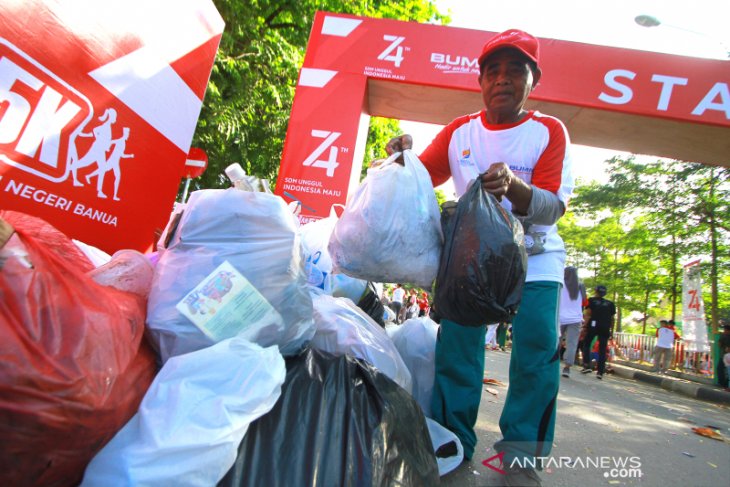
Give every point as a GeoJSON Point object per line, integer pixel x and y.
{"type": "Point", "coordinates": [251, 88]}
{"type": "Point", "coordinates": [636, 232]}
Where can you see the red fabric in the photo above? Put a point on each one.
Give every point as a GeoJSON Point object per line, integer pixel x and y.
{"type": "Point", "coordinates": [74, 364]}
{"type": "Point", "coordinates": [515, 39]}
{"type": "Point", "coordinates": [435, 157]}
{"type": "Point", "coordinates": [548, 173]}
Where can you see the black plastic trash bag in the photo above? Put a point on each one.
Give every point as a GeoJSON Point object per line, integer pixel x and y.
{"type": "Point", "coordinates": [338, 422]}
{"type": "Point", "coordinates": [483, 263]}
{"type": "Point", "coordinates": [370, 303]}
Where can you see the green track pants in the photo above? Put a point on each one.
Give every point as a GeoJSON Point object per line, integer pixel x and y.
{"type": "Point", "coordinates": [457, 386]}
{"type": "Point", "coordinates": [528, 418]}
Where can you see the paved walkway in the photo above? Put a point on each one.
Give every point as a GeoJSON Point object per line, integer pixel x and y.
{"type": "Point", "coordinates": [612, 419]}
{"type": "Point", "coordinates": [689, 388]}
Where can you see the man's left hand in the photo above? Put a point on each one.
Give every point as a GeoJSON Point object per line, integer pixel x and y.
{"type": "Point", "coordinates": [497, 179]}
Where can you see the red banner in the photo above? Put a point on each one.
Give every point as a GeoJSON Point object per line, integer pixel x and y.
{"type": "Point", "coordinates": [647, 103]}
{"type": "Point", "coordinates": [645, 83]}
{"type": "Point", "coordinates": [98, 105]}
{"type": "Point", "coordinates": [327, 119]}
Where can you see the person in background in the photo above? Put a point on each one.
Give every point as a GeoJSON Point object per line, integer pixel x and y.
{"type": "Point", "coordinates": [384, 298]}
{"type": "Point", "coordinates": [413, 308]}
{"type": "Point", "coordinates": [396, 302]}
{"type": "Point", "coordinates": [423, 305]}
{"type": "Point", "coordinates": [664, 348]}
{"type": "Point", "coordinates": [522, 157]}
{"type": "Point", "coordinates": [571, 316]}
{"type": "Point", "coordinates": [502, 336]}
{"type": "Point", "coordinates": [599, 323]}
{"type": "Point", "coordinates": [490, 342]}
{"type": "Point", "coordinates": [724, 344]}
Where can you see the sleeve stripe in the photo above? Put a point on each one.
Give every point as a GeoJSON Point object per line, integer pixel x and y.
{"type": "Point", "coordinates": [436, 156]}
{"type": "Point", "coordinates": [549, 170]}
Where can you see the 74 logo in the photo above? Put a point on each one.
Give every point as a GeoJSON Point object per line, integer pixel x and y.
{"type": "Point", "coordinates": [330, 163]}
{"type": "Point", "coordinates": [395, 45]}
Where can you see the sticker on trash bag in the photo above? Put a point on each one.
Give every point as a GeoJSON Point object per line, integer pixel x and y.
{"type": "Point", "coordinates": [225, 303]}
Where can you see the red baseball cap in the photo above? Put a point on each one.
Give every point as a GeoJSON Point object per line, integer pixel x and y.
{"type": "Point", "coordinates": [515, 39]}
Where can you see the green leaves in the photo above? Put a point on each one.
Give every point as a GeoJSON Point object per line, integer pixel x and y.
{"type": "Point", "coordinates": [636, 232]}
{"type": "Point", "coordinates": [251, 88]}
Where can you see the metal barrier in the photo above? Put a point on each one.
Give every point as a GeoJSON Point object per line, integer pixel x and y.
{"type": "Point", "coordinates": [638, 348]}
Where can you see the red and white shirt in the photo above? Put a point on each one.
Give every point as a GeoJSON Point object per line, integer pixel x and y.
{"type": "Point", "coordinates": [536, 149]}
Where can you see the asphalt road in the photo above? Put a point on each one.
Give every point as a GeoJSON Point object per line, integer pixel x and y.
{"type": "Point", "coordinates": [600, 423]}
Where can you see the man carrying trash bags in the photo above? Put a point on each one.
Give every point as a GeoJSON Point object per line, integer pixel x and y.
{"type": "Point", "coordinates": [521, 158]}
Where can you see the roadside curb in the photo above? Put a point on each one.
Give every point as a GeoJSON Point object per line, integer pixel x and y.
{"type": "Point", "coordinates": [697, 391]}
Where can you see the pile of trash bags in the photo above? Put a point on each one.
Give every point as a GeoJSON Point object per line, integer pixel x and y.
{"type": "Point", "coordinates": [246, 350]}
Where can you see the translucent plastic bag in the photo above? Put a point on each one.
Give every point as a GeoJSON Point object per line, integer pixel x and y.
{"type": "Point", "coordinates": [483, 264]}
{"type": "Point", "coordinates": [344, 329]}
{"type": "Point", "coordinates": [416, 343]}
{"type": "Point", "coordinates": [128, 270]}
{"type": "Point", "coordinates": [233, 267]}
{"type": "Point", "coordinates": [318, 263]}
{"type": "Point", "coordinates": [74, 364]}
{"type": "Point", "coordinates": [447, 447]}
{"type": "Point", "coordinates": [192, 419]}
{"type": "Point", "coordinates": [50, 238]}
{"type": "Point", "coordinates": [390, 230]}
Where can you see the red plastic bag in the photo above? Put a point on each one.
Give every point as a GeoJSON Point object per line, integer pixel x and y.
{"type": "Point", "coordinates": [74, 364]}
{"type": "Point", "coordinates": [47, 235]}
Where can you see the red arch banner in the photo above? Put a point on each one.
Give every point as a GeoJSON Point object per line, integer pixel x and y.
{"type": "Point", "coordinates": [355, 67]}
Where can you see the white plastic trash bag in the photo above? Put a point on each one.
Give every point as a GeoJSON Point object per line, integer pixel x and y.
{"type": "Point", "coordinates": [388, 314]}
{"type": "Point", "coordinates": [390, 328]}
{"type": "Point", "coordinates": [416, 342]}
{"type": "Point", "coordinates": [344, 329]}
{"type": "Point", "coordinates": [390, 230]}
{"type": "Point", "coordinates": [440, 439]}
{"type": "Point", "coordinates": [192, 419]}
{"type": "Point", "coordinates": [128, 270]}
{"type": "Point", "coordinates": [233, 267]}
{"type": "Point", "coordinates": [318, 263]}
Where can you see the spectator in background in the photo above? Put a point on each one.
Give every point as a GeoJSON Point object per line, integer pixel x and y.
{"type": "Point", "coordinates": [724, 344]}
{"type": "Point", "coordinates": [599, 323]}
{"type": "Point", "coordinates": [571, 315]}
{"type": "Point", "coordinates": [423, 305]}
{"type": "Point", "coordinates": [490, 342]}
{"type": "Point", "coordinates": [502, 336]}
{"type": "Point", "coordinates": [663, 351]}
{"type": "Point", "coordinates": [413, 308]}
{"type": "Point", "coordinates": [396, 302]}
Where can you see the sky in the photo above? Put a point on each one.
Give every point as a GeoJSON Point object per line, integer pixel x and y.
{"type": "Point", "coordinates": [697, 28]}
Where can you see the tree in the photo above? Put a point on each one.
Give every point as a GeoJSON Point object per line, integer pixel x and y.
{"type": "Point", "coordinates": [251, 88]}
{"type": "Point", "coordinates": [670, 211]}
{"type": "Point", "coordinates": [710, 213]}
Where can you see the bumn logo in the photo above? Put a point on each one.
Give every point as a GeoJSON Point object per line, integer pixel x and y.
{"type": "Point", "coordinates": [395, 45]}
{"type": "Point", "coordinates": [330, 163]}
{"type": "Point", "coordinates": [40, 115]}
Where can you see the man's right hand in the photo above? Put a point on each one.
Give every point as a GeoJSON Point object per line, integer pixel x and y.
{"type": "Point", "coordinates": [399, 144]}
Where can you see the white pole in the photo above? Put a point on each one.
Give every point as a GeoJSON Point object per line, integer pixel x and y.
{"type": "Point", "coordinates": [185, 191]}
